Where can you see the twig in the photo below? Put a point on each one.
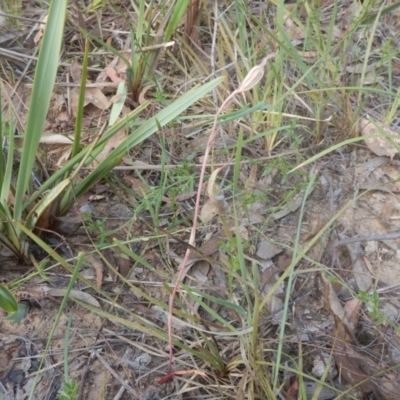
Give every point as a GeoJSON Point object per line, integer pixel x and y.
{"type": "Point", "coordinates": [386, 236]}
{"type": "Point", "coordinates": [141, 166]}
{"type": "Point", "coordinates": [114, 374]}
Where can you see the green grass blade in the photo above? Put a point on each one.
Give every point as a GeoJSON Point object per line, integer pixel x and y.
{"type": "Point", "coordinates": [8, 234]}
{"type": "Point", "coordinates": [71, 164]}
{"type": "Point", "coordinates": [106, 46]}
{"type": "Point", "coordinates": [6, 173]}
{"type": "Point", "coordinates": [45, 75]}
{"type": "Point", "coordinates": [143, 132]}
{"type": "Point", "coordinates": [44, 203]}
{"type": "Point", "coordinates": [290, 270]}
{"type": "Point", "coordinates": [179, 11]}
{"type": "Point", "coordinates": [81, 103]}
{"type": "Point", "coordinates": [371, 17]}
{"type": "Point", "coordinates": [197, 299]}
{"type": "Point", "coordinates": [118, 105]}
{"type": "Point", "coordinates": [217, 300]}
{"type": "Point", "coordinates": [2, 144]}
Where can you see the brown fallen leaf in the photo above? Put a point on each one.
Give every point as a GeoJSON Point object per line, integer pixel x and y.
{"type": "Point", "coordinates": [212, 245]}
{"type": "Point", "coordinates": [111, 144]}
{"type": "Point", "coordinates": [97, 98]}
{"type": "Point", "coordinates": [212, 208]}
{"type": "Point", "coordinates": [348, 362]}
{"type": "Point", "coordinates": [267, 250]}
{"type": "Point", "coordinates": [252, 179]}
{"type": "Point", "coordinates": [40, 32]}
{"type": "Point", "coordinates": [93, 95]}
{"type": "Point", "coordinates": [98, 266]}
{"type": "Point", "coordinates": [361, 273]}
{"type": "Point", "coordinates": [344, 328]}
{"type": "Point", "coordinates": [112, 74]}
{"type": "Point", "coordinates": [379, 145]}
{"type": "Point", "coordinates": [352, 310]}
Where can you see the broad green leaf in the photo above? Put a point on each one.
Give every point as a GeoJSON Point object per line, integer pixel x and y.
{"type": "Point", "coordinates": [7, 300]}
{"type": "Point", "coordinates": [7, 173]}
{"type": "Point", "coordinates": [43, 84]}
{"type": "Point", "coordinates": [118, 105]}
{"type": "Point", "coordinates": [20, 314]}
{"type": "Point", "coordinates": [175, 20]}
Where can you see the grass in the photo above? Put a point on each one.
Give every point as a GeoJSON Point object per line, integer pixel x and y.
{"type": "Point", "coordinates": [272, 93]}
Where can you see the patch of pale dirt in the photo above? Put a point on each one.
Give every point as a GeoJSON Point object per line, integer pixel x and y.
{"type": "Point", "coordinates": [360, 191]}
{"type": "Point", "coordinates": [24, 345]}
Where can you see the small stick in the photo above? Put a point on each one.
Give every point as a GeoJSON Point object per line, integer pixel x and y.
{"type": "Point", "coordinates": [386, 236]}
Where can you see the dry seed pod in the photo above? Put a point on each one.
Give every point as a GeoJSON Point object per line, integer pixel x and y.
{"type": "Point", "coordinates": [254, 75]}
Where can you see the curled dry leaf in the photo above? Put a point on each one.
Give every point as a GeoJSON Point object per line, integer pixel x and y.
{"type": "Point", "coordinates": [112, 74]}
{"type": "Point", "coordinates": [111, 144]}
{"type": "Point", "coordinates": [212, 187]}
{"type": "Point", "coordinates": [213, 207]}
{"type": "Point", "coordinates": [39, 33]}
{"type": "Point", "coordinates": [96, 263]}
{"type": "Point", "coordinates": [352, 310]}
{"type": "Point", "coordinates": [216, 204]}
{"type": "Point", "coordinates": [379, 145]}
{"type": "Point", "coordinates": [142, 94]}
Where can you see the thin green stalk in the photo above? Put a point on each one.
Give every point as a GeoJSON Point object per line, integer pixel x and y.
{"type": "Point", "coordinates": [290, 278]}
{"type": "Point", "coordinates": [81, 102]}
